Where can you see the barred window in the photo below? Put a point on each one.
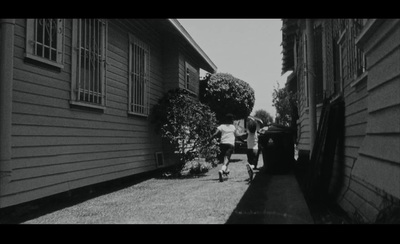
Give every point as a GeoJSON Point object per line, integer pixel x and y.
{"type": "Point", "coordinates": [352, 59]}
{"type": "Point", "coordinates": [360, 61]}
{"type": "Point", "coordinates": [139, 76]}
{"type": "Point", "coordinates": [44, 40]}
{"type": "Point", "coordinates": [89, 44]}
{"type": "Point", "coordinates": [191, 78]}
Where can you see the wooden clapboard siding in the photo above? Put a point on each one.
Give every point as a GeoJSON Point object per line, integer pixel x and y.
{"type": "Point", "coordinates": [84, 160]}
{"type": "Point", "coordinates": [376, 171]}
{"type": "Point", "coordinates": [304, 133]}
{"type": "Point", "coordinates": [303, 121]}
{"type": "Point", "coordinates": [171, 63]}
{"type": "Point", "coordinates": [355, 122]}
{"type": "Point", "coordinates": [384, 121]}
{"type": "Point", "coordinates": [366, 174]}
{"type": "Point", "coordinates": [380, 149]}
{"type": "Point", "coordinates": [304, 128]}
{"type": "Point", "coordinates": [56, 147]}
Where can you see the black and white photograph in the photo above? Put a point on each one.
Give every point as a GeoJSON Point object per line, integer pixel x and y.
{"type": "Point", "coordinates": [199, 121]}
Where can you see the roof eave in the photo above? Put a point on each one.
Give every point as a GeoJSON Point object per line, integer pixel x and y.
{"type": "Point", "coordinates": [191, 41]}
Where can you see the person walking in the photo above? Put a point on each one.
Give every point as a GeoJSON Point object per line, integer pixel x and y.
{"type": "Point", "coordinates": [253, 150]}
{"type": "Point", "coordinates": [228, 133]}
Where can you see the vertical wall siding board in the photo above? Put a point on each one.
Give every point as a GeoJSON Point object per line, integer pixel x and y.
{"type": "Point", "coordinates": [56, 148]}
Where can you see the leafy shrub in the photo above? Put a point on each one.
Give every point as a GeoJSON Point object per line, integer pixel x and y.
{"type": "Point", "coordinates": [225, 93]}
{"type": "Point", "coordinates": [264, 116]}
{"type": "Point", "coordinates": [187, 124]}
{"type": "Point", "coordinates": [285, 103]}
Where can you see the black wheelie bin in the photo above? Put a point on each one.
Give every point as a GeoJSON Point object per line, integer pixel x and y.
{"type": "Point", "coordinates": [277, 149]}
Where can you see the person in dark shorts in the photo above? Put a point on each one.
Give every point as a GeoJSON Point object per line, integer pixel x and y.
{"type": "Point", "coordinates": [228, 133]}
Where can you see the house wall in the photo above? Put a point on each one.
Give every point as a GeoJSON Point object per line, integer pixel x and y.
{"type": "Point", "coordinates": [366, 174]}
{"type": "Point", "coordinates": [171, 63]}
{"type": "Point", "coordinates": [186, 56]}
{"type": "Point", "coordinates": [174, 63]}
{"type": "Point", "coordinates": [372, 142]}
{"type": "Point", "coordinates": [56, 148]}
{"type": "Point", "coordinates": [303, 122]}
{"type": "Point", "coordinates": [303, 127]}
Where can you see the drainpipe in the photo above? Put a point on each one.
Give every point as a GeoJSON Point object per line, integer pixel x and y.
{"type": "Point", "coordinates": [6, 79]}
{"type": "Point", "coordinates": [311, 83]}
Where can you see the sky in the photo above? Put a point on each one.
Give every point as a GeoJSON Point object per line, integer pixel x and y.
{"type": "Point", "coordinates": [248, 49]}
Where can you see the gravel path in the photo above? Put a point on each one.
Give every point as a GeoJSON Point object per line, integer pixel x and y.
{"type": "Point", "coordinates": [200, 200]}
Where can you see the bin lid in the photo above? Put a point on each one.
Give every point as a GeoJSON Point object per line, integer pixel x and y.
{"type": "Point", "coordinates": [276, 128]}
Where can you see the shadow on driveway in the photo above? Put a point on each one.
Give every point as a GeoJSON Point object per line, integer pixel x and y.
{"type": "Point", "coordinates": [272, 199]}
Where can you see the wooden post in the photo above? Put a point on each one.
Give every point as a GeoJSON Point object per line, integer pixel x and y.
{"type": "Point", "coordinates": [6, 79]}
{"type": "Point", "coordinates": [311, 82]}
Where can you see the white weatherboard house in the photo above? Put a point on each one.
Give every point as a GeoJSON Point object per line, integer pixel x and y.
{"type": "Point", "coordinates": [358, 61]}
{"type": "Point", "coordinates": [75, 96]}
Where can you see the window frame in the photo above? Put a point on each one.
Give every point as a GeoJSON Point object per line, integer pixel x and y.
{"type": "Point", "coordinates": [350, 55]}
{"type": "Point", "coordinates": [189, 79]}
{"type": "Point", "coordinates": [144, 77]}
{"type": "Point", "coordinates": [76, 66]}
{"type": "Point", "coordinates": [31, 40]}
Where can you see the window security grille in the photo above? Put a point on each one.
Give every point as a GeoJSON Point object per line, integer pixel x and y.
{"type": "Point", "coordinates": [91, 61]}
{"type": "Point", "coordinates": [352, 59]}
{"type": "Point", "coordinates": [360, 61]}
{"type": "Point", "coordinates": [139, 76]}
{"type": "Point", "coordinates": [45, 40]}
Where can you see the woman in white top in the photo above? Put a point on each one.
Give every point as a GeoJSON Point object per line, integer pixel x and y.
{"type": "Point", "coordinates": [228, 133]}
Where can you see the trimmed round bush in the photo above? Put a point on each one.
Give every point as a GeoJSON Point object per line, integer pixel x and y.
{"type": "Point", "coordinates": [224, 93]}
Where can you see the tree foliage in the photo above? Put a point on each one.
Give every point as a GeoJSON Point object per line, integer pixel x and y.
{"type": "Point", "coordinates": [285, 103]}
{"type": "Point", "coordinates": [264, 116]}
{"type": "Point", "coordinates": [225, 93]}
{"type": "Point", "coordinates": [187, 124]}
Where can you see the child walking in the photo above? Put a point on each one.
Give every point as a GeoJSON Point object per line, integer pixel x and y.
{"type": "Point", "coordinates": [253, 150]}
